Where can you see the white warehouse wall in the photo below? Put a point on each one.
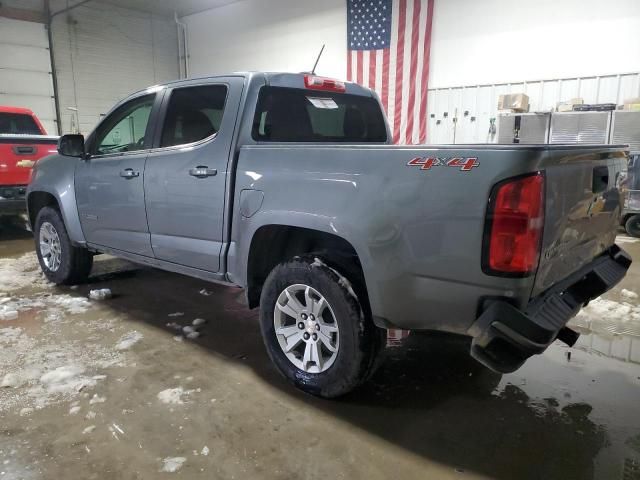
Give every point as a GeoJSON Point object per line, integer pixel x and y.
{"type": "Point", "coordinates": [274, 35]}
{"type": "Point", "coordinates": [501, 41]}
{"type": "Point", "coordinates": [474, 42]}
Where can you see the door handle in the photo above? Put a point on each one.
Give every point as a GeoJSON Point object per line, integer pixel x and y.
{"type": "Point", "coordinates": [129, 173]}
{"type": "Point", "coordinates": [202, 171]}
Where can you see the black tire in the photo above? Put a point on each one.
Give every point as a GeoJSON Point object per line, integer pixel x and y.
{"type": "Point", "coordinates": [632, 225]}
{"type": "Point", "coordinates": [75, 262]}
{"type": "Point", "coordinates": [359, 339]}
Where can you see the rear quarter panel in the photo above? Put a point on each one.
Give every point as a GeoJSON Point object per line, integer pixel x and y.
{"type": "Point", "coordinates": [418, 233]}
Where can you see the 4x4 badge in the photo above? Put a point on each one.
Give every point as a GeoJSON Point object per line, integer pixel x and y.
{"type": "Point", "coordinates": [426, 163]}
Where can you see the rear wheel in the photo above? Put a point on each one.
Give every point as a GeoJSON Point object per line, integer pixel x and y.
{"type": "Point", "coordinates": [632, 225]}
{"type": "Point", "coordinates": [61, 262]}
{"type": "Point", "coordinates": [315, 329]}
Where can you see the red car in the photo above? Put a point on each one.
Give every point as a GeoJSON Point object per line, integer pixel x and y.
{"type": "Point", "coordinates": [23, 141]}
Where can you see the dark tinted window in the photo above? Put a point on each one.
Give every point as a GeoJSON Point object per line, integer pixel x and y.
{"type": "Point", "coordinates": [194, 113]}
{"type": "Point", "coordinates": [18, 124]}
{"type": "Point", "coordinates": [297, 115]}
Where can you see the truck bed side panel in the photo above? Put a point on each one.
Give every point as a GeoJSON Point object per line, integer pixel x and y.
{"type": "Point", "coordinates": [418, 232]}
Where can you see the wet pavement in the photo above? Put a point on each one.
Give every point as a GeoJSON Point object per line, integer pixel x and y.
{"type": "Point", "coordinates": [113, 389]}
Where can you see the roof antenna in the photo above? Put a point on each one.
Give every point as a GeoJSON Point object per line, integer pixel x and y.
{"type": "Point", "coordinates": [313, 71]}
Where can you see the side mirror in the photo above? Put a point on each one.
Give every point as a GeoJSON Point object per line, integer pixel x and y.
{"type": "Point", "coordinates": [72, 146]}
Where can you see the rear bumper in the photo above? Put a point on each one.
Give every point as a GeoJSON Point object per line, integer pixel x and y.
{"type": "Point", "coordinates": [12, 200]}
{"type": "Point", "coordinates": [504, 337]}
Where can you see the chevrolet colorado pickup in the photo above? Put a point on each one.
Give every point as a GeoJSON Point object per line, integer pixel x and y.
{"type": "Point", "coordinates": [23, 141]}
{"type": "Point", "coordinates": [287, 185]}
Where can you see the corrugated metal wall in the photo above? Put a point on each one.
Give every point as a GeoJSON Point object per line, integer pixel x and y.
{"type": "Point", "coordinates": [103, 53]}
{"type": "Point", "coordinates": [480, 102]}
{"type": "Point", "coordinates": [25, 69]}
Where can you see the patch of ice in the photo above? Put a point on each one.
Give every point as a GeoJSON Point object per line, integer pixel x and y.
{"type": "Point", "coordinates": [100, 294]}
{"type": "Point", "coordinates": [90, 415]}
{"type": "Point", "coordinates": [628, 293]}
{"type": "Point", "coordinates": [89, 429]}
{"type": "Point", "coordinates": [609, 317]}
{"type": "Point", "coordinates": [205, 451]}
{"type": "Point", "coordinates": [21, 272]}
{"type": "Point", "coordinates": [192, 335]}
{"type": "Point", "coordinates": [74, 410]}
{"type": "Point", "coordinates": [172, 464]}
{"type": "Point", "coordinates": [174, 325]}
{"type": "Point", "coordinates": [173, 396]}
{"type": "Point", "coordinates": [129, 340]}
{"type": "Point", "coordinates": [7, 313]}
{"type": "Point", "coordinates": [73, 305]}
{"type": "Point", "coordinates": [52, 365]}
{"type": "Point", "coordinates": [11, 380]}
{"type": "Point", "coordinates": [188, 329]}
{"type": "Point", "coordinates": [198, 321]}
{"type": "Point", "coordinates": [205, 292]}
{"type": "Point", "coordinates": [66, 379]}
{"type": "Point", "coordinates": [97, 399]}
{"type": "Point", "coordinates": [176, 314]}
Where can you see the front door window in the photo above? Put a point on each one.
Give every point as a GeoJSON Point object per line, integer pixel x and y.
{"type": "Point", "coordinates": [125, 129]}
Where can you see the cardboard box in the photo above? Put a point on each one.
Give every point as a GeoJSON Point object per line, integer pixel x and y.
{"type": "Point", "coordinates": [516, 102]}
{"type": "Point", "coordinates": [567, 106]}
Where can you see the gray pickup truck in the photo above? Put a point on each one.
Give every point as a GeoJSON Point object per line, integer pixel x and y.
{"type": "Point", "coordinates": [287, 185]}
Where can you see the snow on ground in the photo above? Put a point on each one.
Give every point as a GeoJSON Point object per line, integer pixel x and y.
{"type": "Point", "coordinates": [47, 353]}
{"type": "Point", "coordinates": [54, 304]}
{"type": "Point", "coordinates": [610, 317]}
{"type": "Point", "coordinates": [100, 294]}
{"type": "Point", "coordinates": [172, 464]}
{"type": "Point", "coordinates": [173, 396]}
{"type": "Point", "coordinates": [21, 272]}
{"type": "Point", "coordinates": [129, 340]}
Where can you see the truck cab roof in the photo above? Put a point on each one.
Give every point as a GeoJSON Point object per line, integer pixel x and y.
{"type": "Point", "coordinates": [18, 110]}
{"type": "Point", "coordinates": [274, 79]}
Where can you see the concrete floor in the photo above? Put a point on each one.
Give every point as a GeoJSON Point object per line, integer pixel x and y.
{"type": "Point", "coordinates": [113, 390]}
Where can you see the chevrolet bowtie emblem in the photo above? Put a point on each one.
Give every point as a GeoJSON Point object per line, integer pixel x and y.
{"type": "Point", "coordinates": [25, 163]}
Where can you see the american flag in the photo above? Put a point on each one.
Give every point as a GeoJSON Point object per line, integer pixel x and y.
{"type": "Point", "coordinates": [388, 50]}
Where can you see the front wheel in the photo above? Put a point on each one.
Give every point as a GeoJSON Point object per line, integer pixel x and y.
{"type": "Point", "coordinates": [632, 225]}
{"type": "Point", "coordinates": [315, 329]}
{"type": "Point", "coordinates": [61, 262]}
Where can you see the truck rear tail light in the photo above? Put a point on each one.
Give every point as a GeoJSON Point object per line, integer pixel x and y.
{"type": "Point", "coordinates": [513, 228]}
{"type": "Point", "coordinates": [313, 82]}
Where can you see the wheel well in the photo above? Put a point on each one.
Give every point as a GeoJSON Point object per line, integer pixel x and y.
{"type": "Point", "coordinates": [273, 244]}
{"type": "Point", "coordinates": [37, 201]}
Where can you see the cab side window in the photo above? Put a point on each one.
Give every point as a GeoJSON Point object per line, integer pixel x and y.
{"type": "Point", "coordinates": [125, 129]}
{"type": "Point", "coordinates": [194, 113]}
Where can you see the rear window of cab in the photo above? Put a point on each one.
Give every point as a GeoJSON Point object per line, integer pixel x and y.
{"type": "Point", "coordinates": [18, 124]}
{"type": "Point", "coordinates": [299, 115]}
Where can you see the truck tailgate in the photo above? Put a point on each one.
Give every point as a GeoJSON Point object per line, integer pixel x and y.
{"type": "Point", "coordinates": [18, 155]}
{"type": "Point", "coordinates": [584, 199]}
